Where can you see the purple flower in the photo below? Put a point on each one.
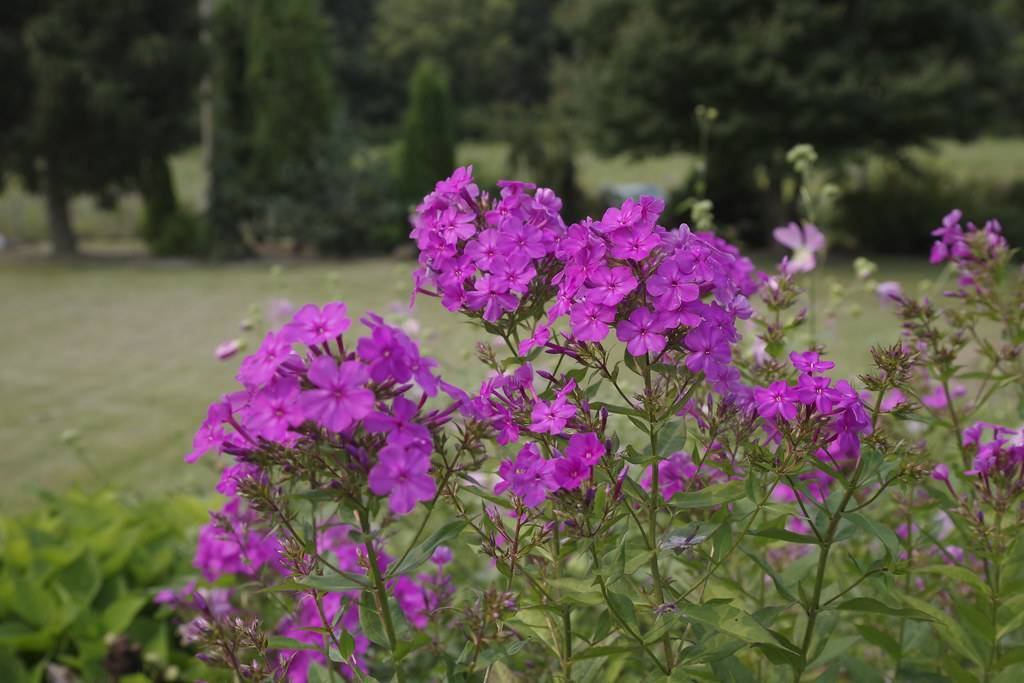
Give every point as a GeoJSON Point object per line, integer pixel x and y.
{"type": "Point", "coordinates": [514, 272]}
{"type": "Point", "coordinates": [633, 245]}
{"type": "Point", "coordinates": [387, 351]}
{"type": "Point", "coordinates": [641, 332]}
{"type": "Point", "coordinates": [551, 417]}
{"type": "Point", "coordinates": [587, 447]}
{"type": "Point", "coordinates": [340, 397]}
{"type": "Point", "coordinates": [708, 349]}
{"type": "Point", "coordinates": [777, 399]}
{"type": "Point", "coordinates": [815, 391]}
{"type": "Point", "coordinates": [399, 426]}
{"type": "Point", "coordinates": [541, 336]}
{"type": "Point", "coordinates": [810, 362]}
{"type": "Point", "coordinates": [941, 472]}
{"type": "Point", "coordinates": [312, 325]}
{"type": "Point", "coordinates": [571, 471]}
{"type": "Point", "coordinates": [401, 475]}
{"type": "Point", "coordinates": [804, 243]}
{"type": "Point", "coordinates": [261, 366]}
{"type": "Point", "coordinates": [442, 555]}
{"type": "Point", "coordinates": [211, 435]}
{"type": "Point", "coordinates": [491, 295]}
{"type": "Point", "coordinates": [530, 476]}
{"type": "Point", "coordinates": [275, 409]}
{"type": "Point", "coordinates": [590, 321]}
{"type": "Point", "coordinates": [672, 285]}
{"type": "Point", "coordinates": [611, 285]}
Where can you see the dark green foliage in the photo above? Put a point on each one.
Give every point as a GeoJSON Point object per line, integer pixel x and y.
{"type": "Point", "coordinates": [343, 202]}
{"type": "Point", "coordinates": [289, 89]}
{"type": "Point", "coordinates": [893, 208]}
{"type": "Point", "coordinates": [77, 582]}
{"type": "Point", "coordinates": [427, 151]}
{"type": "Point", "coordinates": [499, 54]}
{"type": "Point", "coordinates": [836, 74]}
{"type": "Point", "coordinates": [99, 92]}
{"type": "Point", "coordinates": [287, 167]}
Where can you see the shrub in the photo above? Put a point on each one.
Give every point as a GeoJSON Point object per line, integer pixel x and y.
{"type": "Point", "coordinates": [890, 209]}
{"type": "Point", "coordinates": [635, 490]}
{"type": "Point", "coordinates": [428, 130]}
{"type": "Point", "coordinates": [78, 578]}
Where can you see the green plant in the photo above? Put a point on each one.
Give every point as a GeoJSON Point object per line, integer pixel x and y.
{"type": "Point", "coordinates": [428, 131]}
{"type": "Point", "coordinates": [78, 579]}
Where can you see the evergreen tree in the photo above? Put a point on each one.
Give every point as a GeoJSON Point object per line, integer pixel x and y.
{"type": "Point", "coordinates": [104, 93]}
{"type": "Point", "coordinates": [428, 131]}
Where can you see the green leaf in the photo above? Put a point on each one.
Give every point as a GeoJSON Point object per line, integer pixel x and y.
{"type": "Point", "coordinates": [333, 582]}
{"type": "Point", "coordinates": [947, 628]}
{"type": "Point", "coordinates": [785, 535]}
{"type": "Point", "coordinates": [728, 619]}
{"type": "Point", "coordinates": [875, 607]}
{"type": "Point", "coordinates": [959, 574]}
{"type": "Point", "coordinates": [716, 494]}
{"type": "Point", "coordinates": [603, 651]}
{"type": "Point", "coordinates": [285, 643]}
{"type": "Point", "coordinates": [423, 551]}
{"type": "Point", "coordinates": [834, 648]}
{"type": "Point", "coordinates": [118, 615]}
{"type": "Point", "coordinates": [879, 531]}
{"type": "Point", "coordinates": [369, 620]}
{"type": "Point", "coordinates": [623, 607]}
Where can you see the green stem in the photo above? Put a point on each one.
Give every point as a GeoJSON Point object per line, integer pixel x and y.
{"type": "Point", "coordinates": [652, 533]}
{"type": "Point", "coordinates": [382, 596]}
{"type": "Point", "coordinates": [819, 578]}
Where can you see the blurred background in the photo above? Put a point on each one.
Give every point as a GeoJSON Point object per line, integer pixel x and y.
{"type": "Point", "coordinates": [201, 167]}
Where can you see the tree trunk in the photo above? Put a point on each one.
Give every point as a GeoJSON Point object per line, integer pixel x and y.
{"type": "Point", "coordinates": [62, 236]}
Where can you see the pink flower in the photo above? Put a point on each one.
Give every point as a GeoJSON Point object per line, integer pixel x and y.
{"type": "Point", "coordinates": [313, 325]}
{"type": "Point", "coordinates": [641, 332]}
{"type": "Point", "coordinates": [340, 397]}
{"type": "Point", "coordinates": [227, 349]}
{"type": "Point", "coordinates": [804, 243]}
{"type": "Point", "coordinates": [401, 475]}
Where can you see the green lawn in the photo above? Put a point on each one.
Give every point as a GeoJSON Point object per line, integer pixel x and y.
{"type": "Point", "coordinates": [121, 352]}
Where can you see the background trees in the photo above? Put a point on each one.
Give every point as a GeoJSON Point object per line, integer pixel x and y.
{"type": "Point", "coordinates": [96, 98]}
{"type": "Point", "coordinates": [843, 76]}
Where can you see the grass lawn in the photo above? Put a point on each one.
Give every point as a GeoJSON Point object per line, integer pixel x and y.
{"type": "Point", "coordinates": [121, 352]}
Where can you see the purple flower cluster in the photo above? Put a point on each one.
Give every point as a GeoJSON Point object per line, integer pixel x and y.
{"type": "Point", "coordinates": [325, 396]}
{"type": "Point", "coordinates": [971, 249]}
{"type": "Point", "coordinates": [1000, 455]}
{"type": "Point", "coordinates": [836, 412]}
{"type": "Point", "coordinates": [624, 273]}
{"type": "Point", "coordinates": [679, 474]}
{"type": "Point", "coordinates": [531, 477]}
{"type": "Point", "coordinates": [480, 255]}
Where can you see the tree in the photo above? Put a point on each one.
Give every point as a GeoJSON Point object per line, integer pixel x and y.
{"type": "Point", "coordinates": [274, 107]}
{"type": "Point", "coordinates": [498, 54]}
{"type": "Point", "coordinates": [106, 94]}
{"type": "Point", "coordinates": [428, 132]}
{"type": "Point", "coordinates": [840, 74]}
